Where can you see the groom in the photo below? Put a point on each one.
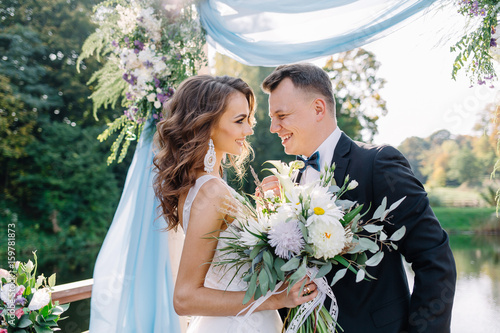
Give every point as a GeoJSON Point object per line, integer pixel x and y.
{"type": "Point", "coordinates": [302, 111]}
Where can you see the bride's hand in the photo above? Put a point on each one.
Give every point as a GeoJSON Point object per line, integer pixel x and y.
{"type": "Point", "coordinates": [297, 295]}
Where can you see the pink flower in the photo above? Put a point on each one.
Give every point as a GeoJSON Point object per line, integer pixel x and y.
{"type": "Point", "coordinates": [19, 312]}
{"type": "Point", "coordinates": [3, 330]}
{"type": "Point", "coordinates": [20, 291]}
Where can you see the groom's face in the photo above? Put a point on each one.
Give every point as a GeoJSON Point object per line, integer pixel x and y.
{"type": "Point", "coordinates": [293, 118]}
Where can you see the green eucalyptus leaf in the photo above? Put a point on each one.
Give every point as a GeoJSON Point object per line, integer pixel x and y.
{"type": "Point", "coordinates": [291, 264]}
{"type": "Point", "coordinates": [325, 269]}
{"type": "Point", "coordinates": [398, 234]}
{"type": "Point", "coordinates": [252, 286]}
{"type": "Point", "coordinates": [268, 259]}
{"type": "Point", "coordinates": [263, 282]}
{"type": "Point", "coordinates": [360, 275]}
{"type": "Point", "coordinates": [339, 275]}
{"type": "Point", "coordinates": [380, 210]}
{"type": "Point", "coordinates": [375, 259]}
{"type": "Point", "coordinates": [278, 263]}
{"type": "Point", "coordinates": [368, 244]}
{"type": "Point", "coordinates": [372, 228]}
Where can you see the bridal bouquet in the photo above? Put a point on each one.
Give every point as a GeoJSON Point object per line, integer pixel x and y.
{"type": "Point", "coordinates": [150, 47]}
{"type": "Point", "coordinates": [304, 231]}
{"type": "Point", "coordinates": [26, 303]}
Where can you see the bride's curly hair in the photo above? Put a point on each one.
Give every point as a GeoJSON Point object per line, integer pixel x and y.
{"type": "Point", "coordinates": [181, 139]}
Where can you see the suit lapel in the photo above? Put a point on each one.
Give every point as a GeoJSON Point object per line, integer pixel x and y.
{"type": "Point", "coordinates": [341, 159]}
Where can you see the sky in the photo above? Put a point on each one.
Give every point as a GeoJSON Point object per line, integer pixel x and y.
{"type": "Point", "coordinates": [421, 95]}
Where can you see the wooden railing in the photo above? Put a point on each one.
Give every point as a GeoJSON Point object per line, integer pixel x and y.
{"type": "Point", "coordinates": [72, 292]}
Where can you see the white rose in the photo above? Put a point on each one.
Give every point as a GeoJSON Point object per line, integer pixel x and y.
{"type": "Point", "coordinates": [151, 97]}
{"type": "Point", "coordinates": [157, 104]}
{"type": "Point", "coordinates": [40, 298]}
{"type": "Point", "coordinates": [5, 274]}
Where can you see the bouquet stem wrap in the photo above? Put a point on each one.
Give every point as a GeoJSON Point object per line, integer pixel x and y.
{"type": "Point", "coordinates": [306, 309]}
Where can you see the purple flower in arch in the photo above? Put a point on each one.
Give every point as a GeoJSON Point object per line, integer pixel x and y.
{"type": "Point", "coordinates": [493, 42]}
{"type": "Point", "coordinates": [126, 40]}
{"type": "Point", "coordinates": [129, 96]}
{"type": "Point", "coordinates": [114, 43]}
{"type": "Point", "coordinates": [139, 44]}
{"type": "Point", "coordinates": [131, 79]}
{"type": "Point", "coordinates": [157, 82]}
{"type": "Point", "coordinates": [136, 51]}
{"type": "Point", "coordinates": [481, 82]}
{"type": "Point", "coordinates": [155, 116]}
{"type": "Point", "coordinates": [162, 97]}
{"type": "Point", "coordinates": [178, 56]}
{"type": "Point", "coordinates": [148, 64]}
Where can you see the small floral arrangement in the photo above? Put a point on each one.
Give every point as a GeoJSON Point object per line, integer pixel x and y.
{"type": "Point", "coordinates": [478, 49]}
{"type": "Point", "coordinates": [304, 231]}
{"type": "Point", "coordinates": [149, 49]}
{"type": "Point", "coordinates": [26, 302]}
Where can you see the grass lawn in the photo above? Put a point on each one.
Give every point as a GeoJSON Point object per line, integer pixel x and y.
{"type": "Point", "coordinates": [457, 219]}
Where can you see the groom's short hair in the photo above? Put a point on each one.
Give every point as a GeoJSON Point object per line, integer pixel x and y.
{"type": "Point", "coordinates": [308, 77]}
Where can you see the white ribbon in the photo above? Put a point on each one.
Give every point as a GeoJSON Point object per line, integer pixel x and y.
{"type": "Point", "coordinates": [255, 304]}
{"type": "Point", "coordinates": [306, 309]}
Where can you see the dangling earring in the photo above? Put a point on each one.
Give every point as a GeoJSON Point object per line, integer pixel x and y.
{"type": "Point", "coordinates": [210, 157]}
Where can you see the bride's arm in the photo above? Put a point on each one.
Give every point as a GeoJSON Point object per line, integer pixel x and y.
{"type": "Point", "coordinates": [190, 295]}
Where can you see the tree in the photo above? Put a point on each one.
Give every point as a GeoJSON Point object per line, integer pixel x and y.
{"type": "Point", "coordinates": [414, 149]}
{"type": "Point", "coordinates": [464, 167]}
{"type": "Point", "coordinates": [356, 87]}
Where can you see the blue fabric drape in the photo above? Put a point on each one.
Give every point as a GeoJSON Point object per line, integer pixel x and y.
{"type": "Point", "coordinates": [270, 33]}
{"type": "Point", "coordinates": [133, 289]}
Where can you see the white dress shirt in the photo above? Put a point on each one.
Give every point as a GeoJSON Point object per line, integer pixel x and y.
{"type": "Point", "coordinates": [325, 151]}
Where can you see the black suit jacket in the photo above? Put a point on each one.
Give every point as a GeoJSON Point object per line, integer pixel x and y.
{"type": "Point", "coordinates": [386, 305]}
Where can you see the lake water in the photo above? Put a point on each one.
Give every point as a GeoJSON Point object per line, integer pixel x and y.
{"type": "Point", "coordinates": [477, 300]}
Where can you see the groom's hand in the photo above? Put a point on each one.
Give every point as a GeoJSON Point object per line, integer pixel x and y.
{"type": "Point", "coordinates": [270, 183]}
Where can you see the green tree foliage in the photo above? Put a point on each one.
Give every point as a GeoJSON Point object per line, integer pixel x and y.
{"type": "Point", "coordinates": [356, 87]}
{"type": "Point", "coordinates": [53, 173]}
{"type": "Point", "coordinates": [68, 187]}
{"type": "Point", "coordinates": [414, 149]}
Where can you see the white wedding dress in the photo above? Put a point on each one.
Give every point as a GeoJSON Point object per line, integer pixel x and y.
{"type": "Point", "coordinates": [257, 322]}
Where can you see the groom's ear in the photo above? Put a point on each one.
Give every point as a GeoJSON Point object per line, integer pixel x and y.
{"type": "Point", "coordinates": [320, 109]}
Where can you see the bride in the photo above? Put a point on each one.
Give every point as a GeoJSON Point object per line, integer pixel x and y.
{"type": "Point", "coordinates": [207, 119]}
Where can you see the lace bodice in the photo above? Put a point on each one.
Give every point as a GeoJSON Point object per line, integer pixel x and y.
{"type": "Point", "coordinates": [218, 277]}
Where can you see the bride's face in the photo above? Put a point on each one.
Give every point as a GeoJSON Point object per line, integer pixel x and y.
{"type": "Point", "coordinates": [234, 125]}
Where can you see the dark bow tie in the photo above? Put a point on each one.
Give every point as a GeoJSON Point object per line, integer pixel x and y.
{"type": "Point", "coordinates": [312, 161]}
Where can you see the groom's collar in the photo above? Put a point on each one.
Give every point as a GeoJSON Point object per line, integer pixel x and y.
{"type": "Point", "coordinates": [327, 148]}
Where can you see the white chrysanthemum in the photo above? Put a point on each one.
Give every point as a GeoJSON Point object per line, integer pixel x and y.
{"type": "Point", "coordinates": [327, 238]}
{"type": "Point", "coordinates": [322, 207]}
{"type": "Point", "coordinates": [41, 297]}
{"type": "Point", "coordinates": [283, 213]}
{"type": "Point", "coordinates": [286, 238]}
{"type": "Point", "coordinates": [251, 228]}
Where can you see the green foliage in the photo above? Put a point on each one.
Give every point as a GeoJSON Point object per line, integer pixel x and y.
{"type": "Point", "coordinates": [474, 48]}
{"type": "Point", "coordinates": [356, 87]}
{"type": "Point", "coordinates": [68, 187]}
